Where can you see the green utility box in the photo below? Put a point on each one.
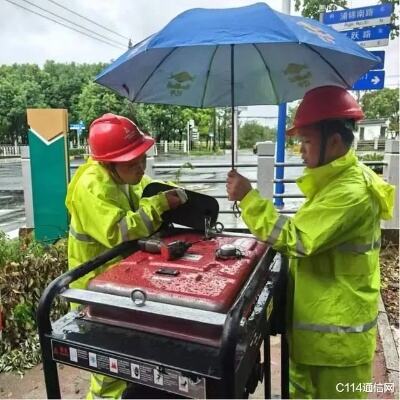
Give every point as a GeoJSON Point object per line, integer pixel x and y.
{"type": "Point", "coordinates": [49, 171]}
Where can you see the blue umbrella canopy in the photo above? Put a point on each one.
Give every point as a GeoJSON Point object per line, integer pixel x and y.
{"type": "Point", "coordinates": [249, 55]}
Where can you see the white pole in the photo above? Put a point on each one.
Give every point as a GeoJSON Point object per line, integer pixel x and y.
{"type": "Point", "coordinates": [78, 133]}
{"type": "Point", "coordinates": [188, 136]}
{"type": "Point", "coordinates": [286, 6]}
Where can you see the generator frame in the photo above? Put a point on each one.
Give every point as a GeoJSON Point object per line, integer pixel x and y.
{"type": "Point", "coordinates": [229, 371]}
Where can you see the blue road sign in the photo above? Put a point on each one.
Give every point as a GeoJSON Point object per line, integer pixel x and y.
{"type": "Point", "coordinates": [370, 33]}
{"type": "Point", "coordinates": [372, 80]}
{"type": "Point", "coordinates": [381, 55]}
{"type": "Point", "coordinates": [80, 126]}
{"type": "Point", "coordinates": [357, 14]}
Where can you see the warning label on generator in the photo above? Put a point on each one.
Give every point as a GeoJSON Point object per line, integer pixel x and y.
{"type": "Point", "coordinates": [131, 370]}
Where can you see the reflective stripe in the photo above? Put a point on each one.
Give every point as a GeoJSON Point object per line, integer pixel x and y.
{"type": "Point", "coordinates": [297, 386]}
{"type": "Point", "coordinates": [277, 229]}
{"type": "Point", "coordinates": [123, 227]}
{"type": "Point", "coordinates": [146, 220]}
{"type": "Point", "coordinates": [335, 328]}
{"type": "Point", "coordinates": [358, 248]}
{"type": "Point", "coordinates": [81, 236]}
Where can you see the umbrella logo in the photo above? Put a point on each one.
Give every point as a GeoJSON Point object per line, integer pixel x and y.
{"type": "Point", "coordinates": [316, 30]}
{"type": "Point", "coordinates": [298, 74]}
{"type": "Point", "coordinates": [179, 82]}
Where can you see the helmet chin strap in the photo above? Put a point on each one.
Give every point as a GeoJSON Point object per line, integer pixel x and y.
{"type": "Point", "coordinates": [114, 173]}
{"type": "Point", "coordinates": [322, 146]}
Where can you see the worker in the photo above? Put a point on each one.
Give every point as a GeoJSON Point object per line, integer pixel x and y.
{"type": "Point", "coordinates": [104, 200]}
{"type": "Point", "coordinates": [333, 244]}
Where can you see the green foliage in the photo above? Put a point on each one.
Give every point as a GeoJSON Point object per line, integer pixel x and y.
{"type": "Point", "coordinates": [95, 100]}
{"type": "Point", "coordinates": [71, 86]}
{"type": "Point", "coordinates": [310, 8]}
{"type": "Point", "coordinates": [76, 152]}
{"type": "Point", "coordinates": [27, 86]}
{"type": "Point", "coordinates": [26, 268]}
{"type": "Point", "coordinates": [373, 157]}
{"type": "Point", "coordinates": [252, 132]}
{"type": "Point", "coordinates": [383, 104]}
{"type": "Point", "coordinates": [290, 116]}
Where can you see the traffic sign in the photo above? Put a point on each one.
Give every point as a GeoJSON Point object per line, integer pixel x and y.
{"type": "Point", "coordinates": [359, 17]}
{"type": "Point", "coordinates": [370, 37]}
{"type": "Point", "coordinates": [372, 80]}
{"type": "Point", "coordinates": [381, 55]}
{"type": "Point", "coordinates": [76, 127]}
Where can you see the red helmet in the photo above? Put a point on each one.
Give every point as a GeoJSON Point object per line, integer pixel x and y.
{"type": "Point", "coordinates": [117, 139]}
{"type": "Point", "coordinates": [326, 102]}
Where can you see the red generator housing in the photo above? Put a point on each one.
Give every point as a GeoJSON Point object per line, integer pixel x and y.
{"type": "Point", "coordinates": [201, 279]}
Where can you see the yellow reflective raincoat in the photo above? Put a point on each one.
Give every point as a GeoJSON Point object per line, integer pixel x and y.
{"type": "Point", "coordinates": [333, 244]}
{"type": "Point", "coordinates": [104, 214]}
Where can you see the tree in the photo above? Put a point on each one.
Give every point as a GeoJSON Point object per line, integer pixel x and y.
{"type": "Point", "coordinates": [383, 104]}
{"type": "Point", "coordinates": [290, 116]}
{"type": "Point", "coordinates": [252, 132]}
{"type": "Point", "coordinates": [95, 100]}
{"type": "Point", "coordinates": [19, 90]}
{"type": "Point", "coordinates": [310, 8]}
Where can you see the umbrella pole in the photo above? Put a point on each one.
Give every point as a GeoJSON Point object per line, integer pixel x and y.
{"type": "Point", "coordinates": [235, 207]}
{"type": "Point", "coordinates": [232, 109]}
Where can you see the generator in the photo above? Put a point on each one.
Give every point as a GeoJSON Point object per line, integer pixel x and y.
{"type": "Point", "coordinates": [182, 314]}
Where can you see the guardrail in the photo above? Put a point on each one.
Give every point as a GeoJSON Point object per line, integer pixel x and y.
{"type": "Point", "coordinates": [227, 166]}
{"type": "Point", "coordinates": [376, 144]}
{"type": "Point", "coordinates": [10, 151]}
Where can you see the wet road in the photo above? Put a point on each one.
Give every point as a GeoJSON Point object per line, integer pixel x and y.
{"type": "Point", "coordinates": [11, 198]}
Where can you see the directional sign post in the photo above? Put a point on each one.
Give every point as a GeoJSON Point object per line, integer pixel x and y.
{"type": "Point", "coordinates": [370, 37]}
{"type": "Point", "coordinates": [78, 128]}
{"type": "Point", "coordinates": [372, 80]}
{"type": "Point", "coordinates": [369, 27]}
{"type": "Point", "coordinates": [359, 17]}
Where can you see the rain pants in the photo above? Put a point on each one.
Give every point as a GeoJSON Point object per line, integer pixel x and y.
{"type": "Point", "coordinates": [333, 244]}
{"type": "Point", "coordinates": [103, 215]}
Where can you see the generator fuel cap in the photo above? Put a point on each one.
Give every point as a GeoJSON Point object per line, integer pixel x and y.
{"type": "Point", "coordinates": [228, 251]}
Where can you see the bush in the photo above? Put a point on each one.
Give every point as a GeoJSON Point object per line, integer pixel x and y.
{"type": "Point", "coordinates": [26, 268]}
{"type": "Point", "coordinates": [378, 169]}
{"type": "Point", "coordinates": [76, 152]}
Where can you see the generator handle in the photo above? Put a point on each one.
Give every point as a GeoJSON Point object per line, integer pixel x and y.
{"type": "Point", "coordinates": [232, 324]}
{"type": "Point", "coordinates": [44, 307]}
{"type": "Point", "coordinates": [228, 349]}
{"type": "Point", "coordinates": [62, 282]}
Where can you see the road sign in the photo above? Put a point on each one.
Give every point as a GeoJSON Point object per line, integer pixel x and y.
{"type": "Point", "coordinates": [370, 37]}
{"type": "Point", "coordinates": [76, 127]}
{"type": "Point", "coordinates": [372, 80]}
{"type": "Point", "coordinates": [381, 55]}
{"type": "Point", "coordinates": [359, 17]}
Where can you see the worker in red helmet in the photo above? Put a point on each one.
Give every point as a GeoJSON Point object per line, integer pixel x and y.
{"type": "Point", "coordinates": [333, 244]}
{"type": "Point", "coordinates": [104, 200]}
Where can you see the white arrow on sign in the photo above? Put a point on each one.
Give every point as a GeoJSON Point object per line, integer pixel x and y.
{"type": "Point", "coordinates": [375, 80]}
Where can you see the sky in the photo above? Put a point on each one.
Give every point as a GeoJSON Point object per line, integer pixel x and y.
{"type": "Point", "coordinates": [28, 38]}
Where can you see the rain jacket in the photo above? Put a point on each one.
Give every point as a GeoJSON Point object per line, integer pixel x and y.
{"type": "Point", "coordinates": [104, 214]}
{"type": "Point", "coordinates": [333, 244]}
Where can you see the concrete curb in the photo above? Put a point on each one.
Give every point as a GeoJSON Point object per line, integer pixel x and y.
{"type": "Point", "coordinates": [390, 351]}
